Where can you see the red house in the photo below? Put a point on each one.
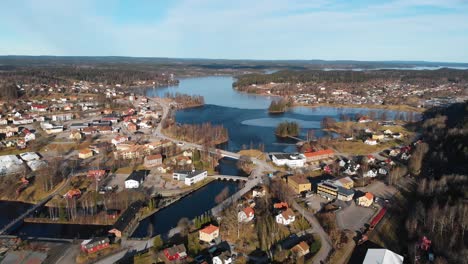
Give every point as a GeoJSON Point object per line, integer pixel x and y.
{"type": "Point", "coordinates": [176, 252]}
{"type": "Point", "coordinates": [94, 245]}
{"type": "Point", "coordinates": [98, 174]}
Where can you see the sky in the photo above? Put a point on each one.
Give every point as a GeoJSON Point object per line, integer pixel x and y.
{"type": "Point", "coordinates": [429, 30]}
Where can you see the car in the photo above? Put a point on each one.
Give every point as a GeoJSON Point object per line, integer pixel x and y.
{"type": "Point", "coordinates": [180, 143]}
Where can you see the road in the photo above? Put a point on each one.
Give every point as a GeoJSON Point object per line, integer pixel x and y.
{"type": "Point", "coordinates": [326, 248]}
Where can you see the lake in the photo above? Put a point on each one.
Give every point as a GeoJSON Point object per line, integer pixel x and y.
{"type": "Point", "coordinates": [246, 117]}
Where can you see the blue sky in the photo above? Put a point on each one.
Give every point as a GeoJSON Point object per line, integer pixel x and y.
{"type": "Point", "coordinates": [431, 30]}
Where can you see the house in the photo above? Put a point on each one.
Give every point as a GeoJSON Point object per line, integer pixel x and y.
{"type": "Point", "coordinates": [319, 155]}
{"type": "Point", "coordinates": [135, 179]}
{"type": "Point", "coordinates": [301, 249]}
{"type": "Point", "coordinates": [345, 194]}
{"type": "Point", "coordinates": [378, 136]}
{"type": "Point", "coordinates": [383, 171]}
{"type": "Point", "coordinates": [175, 253]}
{"type": "Point", "coordinates": [28, 136]}
{"type": "Point", "coordinates": [371, 142]}
{"type": "Point", "coordinates": [62, 117]}
{"type": "Point", "coordinates": [190, 177]}
{"type": "Point", "coordinates": [382, 256]}
{"type": "Point", "coordinates": [85, 153]}
{"type": "Point", "coordinates": [345, 182]}
{"type": "Point", "coordinates": [388, 132]}
{"type": "Point", "coordinates": [246, 215]}
{"type": "Point", "coordinates": [153, 160]}
{"type": "Point", "coordinates": [38, 108]}
{"type": "Point", "coordinates": [365, 200]}
{"type": "Point", "coordinates": [95, 244]}
{"type": "Point", "coordinates": [96, 174]}
{"type": "Point", "coordinates": [364, 119]}
{"type": "Point", "coordinates": [131, 127]}
{"type": "Point", "coordinates": [370, 173]}
{"type": "Point", "coordinates": [286, 217]}
{"type": "Point", "coordinates": [209, 233]}
{"type": "Point", "coordinates": [290, 160]}
{"type": "Point", "coordinates": [75, 135]}
{"type": "Point", "coordinates": [327, 189]}
{"type": "Point", "coordinates": [258, 191]}
{"type": "Point", "coordinates": [281, 205]}
{"type": "Point", "coordinates": [299, 183]}
{"type": "Point", "coordinates": [370, 159]}
{"type": "Point", "coordinates": [222, 258]}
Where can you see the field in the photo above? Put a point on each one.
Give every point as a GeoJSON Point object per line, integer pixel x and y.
{"type": "Point", "coordinates": [359, 148]}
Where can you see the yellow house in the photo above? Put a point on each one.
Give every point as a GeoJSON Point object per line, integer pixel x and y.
{"type": "Point", "coordinates": [209, 233]}
{"type": "Point", "coordinates": [299, 183]}
{"type": "Point", "coordinates": [85, 153]}
{"type": "Point", "coordinates": [366, 200]}
{"type": "Point", "coordinates": [378, 137]}
{"type": "Point", "coordinates": [345, 182]}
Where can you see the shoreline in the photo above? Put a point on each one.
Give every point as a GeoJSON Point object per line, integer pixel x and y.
{"type": "Point", "coordinates": [401, 108]}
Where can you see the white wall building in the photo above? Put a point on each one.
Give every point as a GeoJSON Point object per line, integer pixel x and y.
{"type": "Point", "coordinates": [290, 160]}
{"type": "Point", "coordinates": [190, 177]}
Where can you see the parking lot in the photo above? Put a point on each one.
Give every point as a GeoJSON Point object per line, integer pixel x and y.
{"type": "Point", "coordinates": [379, 189]}
{"type": "Point", "coordinates": [354, 217]}
{"type": "Point", "coordinates": [316, 202]}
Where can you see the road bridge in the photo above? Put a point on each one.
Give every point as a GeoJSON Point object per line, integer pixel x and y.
{"type": "Point", "coordinates": [229, 177]}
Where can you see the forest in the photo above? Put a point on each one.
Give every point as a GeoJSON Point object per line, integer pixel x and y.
{"type": "Point", "coordinates": [187, 100]}
{"type": "Point", "coordinates": [304, 76]}
{"type": "Point", "coordinates": [279, 106]}
{"type": "Point", "coordinates": [436, 200]}
{"type": "Point", "coordinates": [286, 129]}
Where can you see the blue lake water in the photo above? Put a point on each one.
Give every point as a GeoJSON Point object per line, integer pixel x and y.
{"type": "Point", "coordinates": [246, 116]}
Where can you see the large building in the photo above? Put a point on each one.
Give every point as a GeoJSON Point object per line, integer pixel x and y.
{"type": "Point", "coordinates": [345, 194]}
{"type": "Point", "coordinates": [382, 256]}
{"type": "Point", "coordinates": [299, 183]}
{"type": "Point", "coordinates": [290, 160]}
{"type": "Point", "coordinates": [319, 155]}
{"type": "Point", "coordinates": [327, 189]}
{"type": "Point", "coordinates": [94, 245]}
{"type": "Point", "coordinates": [345, 182]}
{"type": "Point", "coordinates": [189, 177]}
{"type": "Point", "coordinates": [135, 179]}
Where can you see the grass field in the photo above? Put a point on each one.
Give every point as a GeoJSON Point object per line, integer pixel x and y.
{"type": "Point", "coordinates": [359, 148]}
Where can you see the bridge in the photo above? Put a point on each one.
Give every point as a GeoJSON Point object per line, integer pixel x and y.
{"type": "Point", "coordinates": [229, 177]}
{"type": "Point", "coordinates": [14, 222]}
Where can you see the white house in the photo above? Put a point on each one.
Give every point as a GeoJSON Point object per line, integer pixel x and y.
{"type": "Point", "coordinates": [222, 259]}
{"type": "Point", "coordinates": [371, 142]}
{"type": "Point", "coordinates": [290, 160]}
{"type": "Point", "coordinates": [371, 173]}
{"type": "Point", "coordinates": [135, 179]}
{"type": "Point", "coordinates": [246, 215]}
{"type": "Point", "coordinates": [189, 177]}
{"type": "Point", "coordinates": [258, 191]}
{"type": "Point", "coordinates": [286, 217]}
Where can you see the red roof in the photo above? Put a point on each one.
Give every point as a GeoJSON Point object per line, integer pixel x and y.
{"type": "Point", "coordinates": [378, 217]}
{"type": "Point", "coordinates": [319, 153]}
{"type": "Point", "coordinates": [369, 196]}
{"type": "Point", "coordinates": [249, 211]}
{"type": "Point", "coordinates": [280, 205]}
{"type": "Point", "coordinates": [209, 229]}
{"type": "Point", "coordinates": [153, 157]}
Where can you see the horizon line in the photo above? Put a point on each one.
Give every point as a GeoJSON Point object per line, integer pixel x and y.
{"type": "Point", "coordinates": [226, 59]}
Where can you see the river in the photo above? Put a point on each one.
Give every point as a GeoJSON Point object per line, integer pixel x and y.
{"type": "Point", "coordinates": [246, 117]}
{"type": "Point", "coordinates": [189, 207]}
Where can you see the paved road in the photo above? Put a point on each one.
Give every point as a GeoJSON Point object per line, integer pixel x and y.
{"type": "Point", "coordinates": [326, 248]}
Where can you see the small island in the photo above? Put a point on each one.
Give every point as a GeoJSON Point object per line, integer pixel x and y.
{"type": "Point", "coordinates": [278, 106]}
{"type": "Point", "coordinates": [287, 129]}
{"type": "Point", "coordinates": [186, 100]}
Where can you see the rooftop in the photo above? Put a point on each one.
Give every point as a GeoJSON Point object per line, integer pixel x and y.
{"type": "Point", "coordinates": [209, 229]}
